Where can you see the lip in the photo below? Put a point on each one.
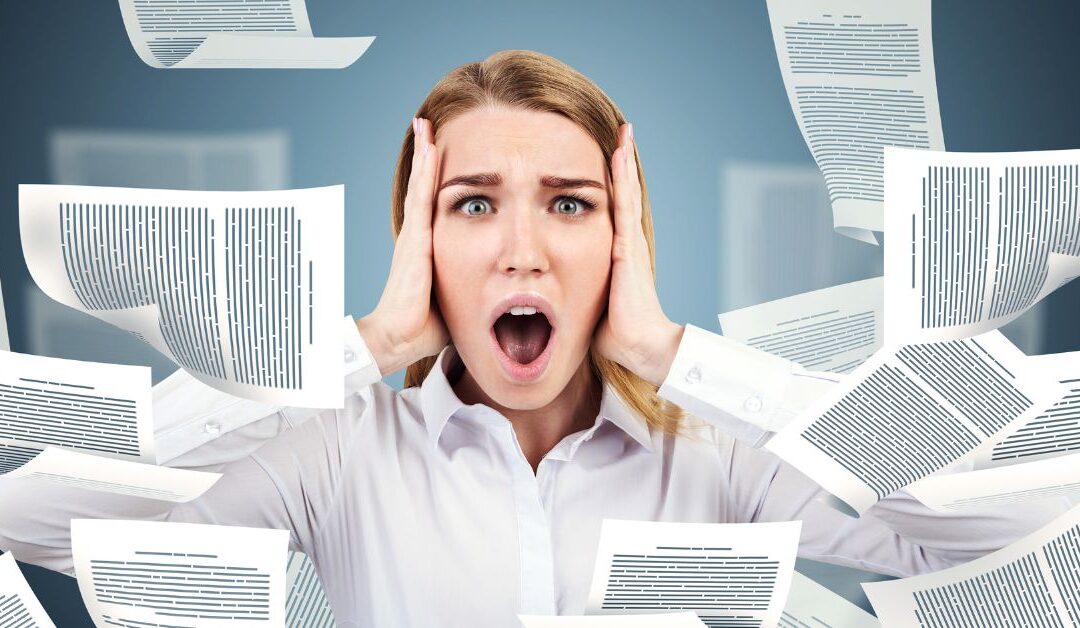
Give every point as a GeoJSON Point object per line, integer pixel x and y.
{"type": "Point", "coordinates": [523, 373]}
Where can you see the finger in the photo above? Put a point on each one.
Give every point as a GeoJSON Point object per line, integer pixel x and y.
{"type": "Point", "coordinates": [627, 187]}
{"type": "Point", "coordinates": [419, 198]}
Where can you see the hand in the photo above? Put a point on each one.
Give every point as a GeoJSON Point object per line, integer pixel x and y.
{"type": "Point", "coordinates": [406, 326]}
{"type": "Point", "coordinates": [635, 332]}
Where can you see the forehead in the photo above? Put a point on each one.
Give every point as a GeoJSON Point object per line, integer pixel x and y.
{"type": "Point", "coordinates": [504, 139]}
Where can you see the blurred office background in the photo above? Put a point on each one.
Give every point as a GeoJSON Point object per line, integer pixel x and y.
{"type": "Point", "coordinates": [740, 211]}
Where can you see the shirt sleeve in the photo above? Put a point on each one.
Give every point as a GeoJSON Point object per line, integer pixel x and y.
{"type": "Point", "coordinates": [197, 425]}
{"type": "Point", "coordinates": [278, 465]}
{"type": "Point", "coordinates": [743, 391]}
{"type": "Point", "coordinates": [898, 536]}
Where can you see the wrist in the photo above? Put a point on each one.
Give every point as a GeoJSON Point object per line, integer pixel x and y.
{"type": "Point", "coordinates": [655, 362]}
{"type": "Point", "coordinates": [389, 355]}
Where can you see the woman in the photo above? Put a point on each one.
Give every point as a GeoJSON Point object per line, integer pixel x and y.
{"type": "Point", "coordinates": [523, 234]}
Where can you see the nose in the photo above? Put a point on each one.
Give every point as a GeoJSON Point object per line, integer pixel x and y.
{"type": "Point", "coordinates": [523, 248]}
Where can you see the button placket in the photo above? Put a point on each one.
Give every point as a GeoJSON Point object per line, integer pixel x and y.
{"type": "Point", "coordinates": [535, 548]}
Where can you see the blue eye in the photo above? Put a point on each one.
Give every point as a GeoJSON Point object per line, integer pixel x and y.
{"type": "Point", "coordinates": [568, 205]}
{"type": "Point", "coordinates": [474, 206]}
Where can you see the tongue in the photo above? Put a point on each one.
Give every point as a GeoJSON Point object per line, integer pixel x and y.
{"type": "Point", "coordinates": [523, 338]}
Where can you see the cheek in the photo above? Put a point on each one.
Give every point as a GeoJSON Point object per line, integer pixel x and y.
{"type": "Point", "coordinates": [459, 273]}
{"type": "Point", "coordinates": [586, 270]}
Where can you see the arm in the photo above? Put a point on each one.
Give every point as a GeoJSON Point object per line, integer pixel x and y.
{"type": "Point", "coordinates": [898, 536]}
{"type": "Point", "coordinates": [259, 488]}
{"type": "Point", "coordinates": [734, 387]}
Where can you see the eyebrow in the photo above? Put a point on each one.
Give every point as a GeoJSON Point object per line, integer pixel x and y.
{"type": "Point", "coordinates": [487, 179]}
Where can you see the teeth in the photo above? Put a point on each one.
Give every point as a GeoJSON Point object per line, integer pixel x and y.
{"type": "Point", "coordinates": [522, 310]}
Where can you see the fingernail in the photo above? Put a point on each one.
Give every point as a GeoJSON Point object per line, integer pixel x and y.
{"type": "Point", "coordinates": [415, 126]}
{"type": "Point", "coordinates": [630, 130]}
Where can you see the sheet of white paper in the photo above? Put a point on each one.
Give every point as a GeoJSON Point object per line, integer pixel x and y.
{"type": "Point", "coordinates": [975, 239]}
{"type": "Point", "coordinates": [1038, 479]}
{"type": "Point", "coordinates": [14, 456]}
{"type": "Point", "coordinates": [5, 344]}
{"type": "Point", "coordinates": [95, 408]}
{"type": "Point", "coordinates": [654, 620]}
{"type": "Point", "coordinates": [860, 77]}
{"type": "Point", "coordinates": [242, 289]}
{"type": "Point", "coordinates": [834, 329]}
{"type": "Point", "coordinates": [810, 605]}
{"type": "Point", "coordinates": [203, 575]}
{"type": "Point", "coordinates": [1033, 582]}
{"type": "Point", "coordinates": [727, 573]}
{"type": "Point", "coordinates": [255, 160]}
{"type": "Point", "coordinates": [96, 473]}
{"type": "Point", "coordinates": [19, 607]}
{"type": "Point", "coordinates": [233, 34]}
{"type": "Point", "coordinates": [769, 207]}
{"type": "Point", "coordinates": [1055, 431]}
{"type": "Point", "coordinates": [247, 51]}
{"type": "Point", "coordinates": [910, 411]}
{"type": "Point", "coordinates": [306, 605]}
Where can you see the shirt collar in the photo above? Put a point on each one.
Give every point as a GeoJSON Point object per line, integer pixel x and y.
{"type": "Point", "coordinates": [439, 403]}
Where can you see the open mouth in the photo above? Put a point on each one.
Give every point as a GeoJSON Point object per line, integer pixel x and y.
{"type": "Point", "coordinates": [523, 331]}
{"type": "Point", "coordinates": [523, 334]}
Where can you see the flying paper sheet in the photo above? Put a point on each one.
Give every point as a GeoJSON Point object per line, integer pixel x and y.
{"type": "Point", "coordinates": [768, 208]}
{"type": "Point", "coordinates": [97, 473]}
{"type": "Point", "coordinates": [834, 329]}
{"type": "Point", "coordinates": [1033, 582]}
{"type": "Point", "coordinates": [5, 345]}
{"type": "Point", "coordinates": [219, 161]}
{"type": "Point", "coordinates": [810, 605]}
{"type": "Point", "coordinates": [233, 34]}
{"type": "Point", "coordinates": [908, 412]}
{"type": "Point", "coordinates": [86, 425]}
{"type": "Point", "coordinates": [986, 487]}
{"type": "Point", "coordinates": [306, 605]}
{"type": "Point", "coordinates": [860, 77]}
{"type": "Point", "coordinates": [179, 574]}
{"type": "Point", "coordinates": [244, 290]}
{"type": "Point", "coordinates": [254, 160]}
{"type": "Point", "coordinates": [975, 239]}
{"type": "Point", "coordinates": [91, 407]}
{"type": "Point", "coordinates": [1054, 432]}
{"type": "Point", "coordinates": [1039, 459]}
{"type": "Point", "coordinates": [19, 608]}
{"type": "Point", "coordinates": [730, 574]}
{"type": "Point", "coordinates": [654, 620]}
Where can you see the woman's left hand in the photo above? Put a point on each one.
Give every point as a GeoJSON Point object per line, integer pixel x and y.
{"type": "Point", "coordinates": [634, 332]}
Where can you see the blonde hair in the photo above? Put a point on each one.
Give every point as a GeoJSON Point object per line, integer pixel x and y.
{"type": "Point", "coordinates": [537, 82]}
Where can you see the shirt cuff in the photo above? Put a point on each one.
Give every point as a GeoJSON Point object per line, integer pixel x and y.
{"type": "Point", "coordinates": [736, 388]}
{"type": "Point", "coordinates": [361, 370]}
{"type": "Point", "coordinates": [189, 414]}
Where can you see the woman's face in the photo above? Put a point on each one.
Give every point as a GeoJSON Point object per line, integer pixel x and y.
{"type": "Point", "coordinates": [522, 225]}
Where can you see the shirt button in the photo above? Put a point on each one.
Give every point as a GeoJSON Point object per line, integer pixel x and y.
{"type": "Point", "coordinates": [349, 355]}
{"type": "Point", "coordinates": [212, 428]}
{"type": "Point", "coordinates": [693, 376]}
{"type": "Point", "coordinates": [752, 404]}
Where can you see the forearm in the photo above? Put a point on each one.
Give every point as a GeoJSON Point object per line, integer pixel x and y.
{"type": "Point", "coordinates": [35, 517]}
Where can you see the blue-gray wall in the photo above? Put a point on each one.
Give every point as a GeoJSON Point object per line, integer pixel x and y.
{"type": "Point", "coordinates": [698, 79]}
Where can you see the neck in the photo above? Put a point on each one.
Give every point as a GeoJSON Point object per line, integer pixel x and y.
{"type": "Point", "coordinates": [539, 430]}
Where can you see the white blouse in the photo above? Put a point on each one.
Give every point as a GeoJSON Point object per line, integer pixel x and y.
{"type": "Point", "coordinates": [419, 510]}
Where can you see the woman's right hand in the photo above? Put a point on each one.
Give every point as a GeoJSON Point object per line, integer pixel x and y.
{"type": "Point", "coordinates": [406, 326]}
